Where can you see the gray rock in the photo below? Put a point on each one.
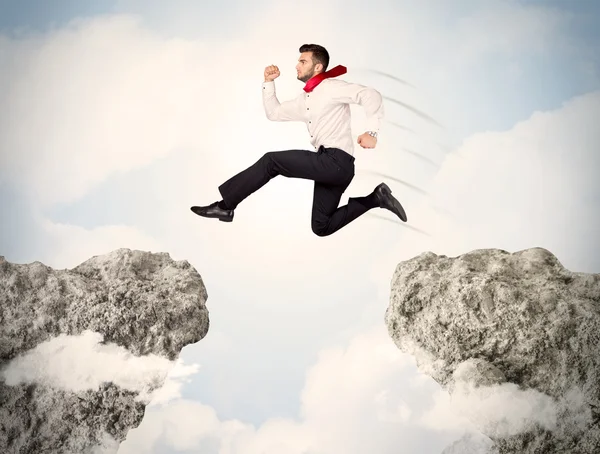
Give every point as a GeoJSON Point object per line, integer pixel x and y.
{"type": "Point", "coordinates": [144, 302]}
{"type": "Point", "coordinates": [515, 339]}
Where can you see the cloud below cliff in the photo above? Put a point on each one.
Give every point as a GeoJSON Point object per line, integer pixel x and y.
{"type": "Point", "coordinates": [357, 398]}
{"type": "Point", "coordinates": [82, 362]}
{"type": "Point", "coordinates": [499, 410]}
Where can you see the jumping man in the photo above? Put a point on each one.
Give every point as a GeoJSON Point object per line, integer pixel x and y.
{"type": "Point", "coordinates": [324, 106]}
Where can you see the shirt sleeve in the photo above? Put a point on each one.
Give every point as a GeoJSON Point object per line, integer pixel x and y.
{"type": "Point", "coordinates": [276, 111]}
{"type": "Point", "coordinates": [369, 98]}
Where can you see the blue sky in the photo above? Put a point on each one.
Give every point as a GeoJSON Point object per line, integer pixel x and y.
{"type": "Point", "coordinates": [159, 159]}
{"type": "Point", "coordinates": [40, 15]}
{"type": "Point", "coordinates": [551, 79]}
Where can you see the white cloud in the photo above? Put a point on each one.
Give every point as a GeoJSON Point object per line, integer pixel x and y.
{"type": "Point", "coordinates": [70, 245]}
{"type": "Point", "coordinates": [101, 96]}
{"type": "Point", "coordinates": [82, 362]}
{"type": "Point", "coordinates": [498, 410]}
{"type": "Point", "coordinates": [362, 397]}
{"type": "Point", "coordinates": [173, 384]}
{"type": "Point", "coordinates": [356, 398]}
{"type": "Point", "coordinates": [531, 186]}
{"type": "Point", "coordinates": [108, 445]}
{"type": "Point", "coordinates": [504, 410]}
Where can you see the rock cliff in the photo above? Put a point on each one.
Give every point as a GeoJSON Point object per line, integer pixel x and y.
{"type": "Point", "coordinates": [137, 306]}
{"type": "Point", "coordinates": [515, 340]}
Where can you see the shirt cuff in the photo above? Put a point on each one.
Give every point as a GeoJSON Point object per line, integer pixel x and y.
{"type": "Point", "coordinates": [268, 86]}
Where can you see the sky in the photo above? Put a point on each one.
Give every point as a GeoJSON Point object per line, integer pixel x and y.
{"type": "Point", "coordinates": [116, 117]}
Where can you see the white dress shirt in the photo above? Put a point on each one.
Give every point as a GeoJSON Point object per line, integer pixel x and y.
{"type": "Point", "coordinates": [326, 111]}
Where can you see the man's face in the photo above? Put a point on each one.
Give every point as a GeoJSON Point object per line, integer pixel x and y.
{"type": "Point", "coordinates": [305, 67]}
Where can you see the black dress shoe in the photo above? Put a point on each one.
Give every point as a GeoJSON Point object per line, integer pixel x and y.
{"type": "Point", "coordinates": [214, 211]}
{"type": "Point", "coordinates": [389, 202]}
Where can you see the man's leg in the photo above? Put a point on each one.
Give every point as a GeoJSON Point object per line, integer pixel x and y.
{"type": "Point", "coordinates": [327, 218]}
{"type": "Point", "coordinates": [289, 163]}
{"type": "Point", "coordinates": [331, 169]}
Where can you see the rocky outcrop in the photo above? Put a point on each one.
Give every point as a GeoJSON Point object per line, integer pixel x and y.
{"type": "Point", "coordinates": [515, 339]}
{"type": "Point", "coordinates": [140, 304]}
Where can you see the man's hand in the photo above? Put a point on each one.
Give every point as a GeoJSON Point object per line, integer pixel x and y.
{"type": "Point", "coordinates": [271, 73]}
{"type": "Point", "coordinates": [367, 141]}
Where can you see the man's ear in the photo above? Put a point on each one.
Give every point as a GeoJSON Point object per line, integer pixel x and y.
{"type": "Point", "coordinates": [319, 67]}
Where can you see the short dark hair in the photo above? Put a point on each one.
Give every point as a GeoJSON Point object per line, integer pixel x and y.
{"type": "Point", "coordinates": [319, 54]}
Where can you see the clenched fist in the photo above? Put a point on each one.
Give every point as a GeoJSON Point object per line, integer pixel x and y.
{"type": "Point", "coordinates": [367, 141]}
{"type": "Point", "coordinates": [271, 73]}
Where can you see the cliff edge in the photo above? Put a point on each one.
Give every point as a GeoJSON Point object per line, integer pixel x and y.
{"type": "Point", "coordinates": [131, 305]}
{"type": "Point", "coordinates": [514, 338]}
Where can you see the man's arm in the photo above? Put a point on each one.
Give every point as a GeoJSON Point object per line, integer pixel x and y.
{"type": "Point", "coordinates": [276, 111]}
{"type": "Point", "coordinates": [369, 98]}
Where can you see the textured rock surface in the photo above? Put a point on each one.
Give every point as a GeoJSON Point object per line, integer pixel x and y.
{"type": "Point", "coordinates": [144, 302]}
{"type": "Point", "coordinates": [516, 326]}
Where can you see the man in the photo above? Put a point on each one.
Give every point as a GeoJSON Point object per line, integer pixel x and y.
{"type": "Point", "coordinates": [324, 106]}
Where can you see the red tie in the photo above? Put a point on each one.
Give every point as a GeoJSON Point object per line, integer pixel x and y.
{"type": "Point", "coordinates": [316, 80]}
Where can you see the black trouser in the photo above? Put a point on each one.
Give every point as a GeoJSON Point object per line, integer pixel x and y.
{"type": "Point", "coordinates": [331, 169]}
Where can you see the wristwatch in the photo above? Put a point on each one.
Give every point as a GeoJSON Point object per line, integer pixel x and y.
{"type": "Point", "coordinates": [372, 133]}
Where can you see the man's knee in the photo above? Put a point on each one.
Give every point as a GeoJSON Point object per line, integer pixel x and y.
{"type": "Point", "coordinates": [268, 162]}
{"type": "Point", "coordinates": [320, 228]}
{"type": "Point", "coordinates": [267, 157]}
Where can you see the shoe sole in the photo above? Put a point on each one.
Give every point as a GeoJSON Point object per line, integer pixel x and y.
{"type": "Point", "coordinates": [400, 210]}
{"type": "Point", "coordinates": [212, 217]}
